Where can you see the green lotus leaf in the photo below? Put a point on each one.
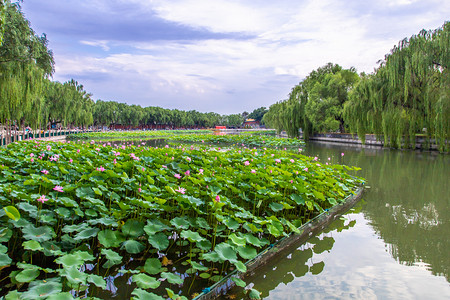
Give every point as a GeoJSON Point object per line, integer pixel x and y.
{"type": "Point", "coordinates": [27, 275]}
{"type": "Point", "coordinates": [12, 212]}
{"type": "Point", "coordinates": [133, 228]}
{"type": "Point", "coordinates": [159, 241]}
{"type": "Point", "coordinates": [276, 207]}
{"type": "Point", "coordinates": [205, 275]}
{"type": "Point", "coordinates": [191, 236]}
{"type": "Point", "coordinates": [112, 257]}
{"type": "Point", "coordinates": [254, 294]}
{"type": "Point", "coordinates": [291, 226]}
{"type": "Point", "coordinates": [63, 212]}
{"type": "Point", "coordinates": [97, 280]}
{"type": "Point", "coordinates": [5, 234]}
{"type": "Point", "coordinates": [198, 266]}
{"type": "Point", "coordinates": [140, 294]}
{"type": "Point", "coordinates": [318, 195]}
{"type": "Point", "coordinates": [110, 238]}
{"type": "Point", "coordinates": [42, 290]}
{"type": "Point", "coordinates": [3, 249]}
{"type": "Point", "coordinates": [232, 224]}
{"type": "Point", "coordinates": [107, 221]}
{"type": "Point", "coordinates": [194, 201]}
{"type": "Point", "coordinates": [133, 247]}
{"type": "Point", "coordinates": [146, 282]}
{"type": "Point", "coordinates": [240, 266]}
{"type": "Point", "coordinates": [238, 241]}
{"type": "Point", "coordinates": [67, 202]}
{"type": "Point", "coordinates": [13, 295]}
{"type": "Point", "coordinates": [204, 245]}
{"type": "Point", "coordinates": [225, 252]}
{"type": "Point", "coordinates": [172, 278]}
{"type": "Point", "coordinates": [90, 213]}
{"type": "Point", "coordinates": [247, 252]}
{"type": "Point", "coordinates": [273, 230]}
{"type": "Point", "coordinates": [211, 256]}
{"type": "Point", "coordinates": [83, 192]}
{"type": "Point", "coordinates": [28, 208]}
{"type": "Point", "coordinates": [238, 281]}
{"type": "Point", "coordinates": [4, 260]}
{"type": "Point", "coordinates": [151, 229]}
{"type": "Point", "coordinates": [298, 199]}
{"type": "Point", "coordinates": [152, 266]}
{"type": "Point", "coordinates": [61, 296]}
{"type": "Point", "coordinates": [39, 234]}
{"type": "Point", "coordinates": [86, 234]}
{"type": "Point", "coordinates": [75, 259]}
{"type": "Point", "coordinates": [180, 223]}
{"type": "Point", "coordinates": [251, 227]}
{"type": "Point", "coordinates": [32, 245]}
{"type": "Point", "coordinates": [202, 223]}
{"type": "Point", "coordinates": [73, 275]}
{"type": "Point", "coordinates": [74, 228]}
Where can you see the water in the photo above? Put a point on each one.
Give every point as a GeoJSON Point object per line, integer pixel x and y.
{"type": "Point", "coordinates": [393, 245]}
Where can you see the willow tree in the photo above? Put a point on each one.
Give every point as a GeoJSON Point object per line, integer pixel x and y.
{"type": "Point", "coordinates": [408, 94]}
{"type": "Point", "coordinates": [25, 62]}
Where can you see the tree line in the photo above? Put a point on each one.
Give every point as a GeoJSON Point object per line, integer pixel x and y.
{"type": "Point", "coordinates": [407, 95]}
{"type": "Point", "coordinates": [28, 96]}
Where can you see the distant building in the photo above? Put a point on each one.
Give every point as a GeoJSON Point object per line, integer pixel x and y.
{"type": "Point", "coordinates": [251, 123]}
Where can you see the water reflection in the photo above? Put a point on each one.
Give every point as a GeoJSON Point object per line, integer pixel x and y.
{"type": "Point", "coordinates": [304, 260]}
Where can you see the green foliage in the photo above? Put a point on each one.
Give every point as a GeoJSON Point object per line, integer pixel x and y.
{"type": "Point", "coordinates": [124, 211]}
{"type": "Point", "coordinates": [316, 104]}
{"type": "Point", "coordinates": [408, 94]}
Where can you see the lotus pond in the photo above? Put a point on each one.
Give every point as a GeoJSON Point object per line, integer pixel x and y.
{"type": "Point", "coordinates": [87, 220]}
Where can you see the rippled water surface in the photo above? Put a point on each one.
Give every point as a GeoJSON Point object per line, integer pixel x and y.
{"type": "Point", "coordinates": [394, 244]}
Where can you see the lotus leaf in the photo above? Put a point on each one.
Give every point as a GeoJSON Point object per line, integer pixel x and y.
{"type": "Point", "coordinates": [172, 278]}
{"type": "Point", "coordinates": [73, 275]}
{"type": "Point", "coordinates": [225, 252]}
{"type": "Point", "coordinates": [180, 223]}
{"type": "Point", "coordinates": [254, 294]}
{"type": "Point", "coordinates": [32, 245]}
{"type": "Point", "coordinates": [238, 281]}
{"type": "Point", "coordinates": [86, 234]}
{"type": "Point", "coordinates": [143, 295]}
{"type": "Point", "coordinates": [61, 296]}
{"type": "Point", "coordinates": [4, 260]}
{"type": "Point", "coordinates": [42, 290]}
{"type": "Point", "coordinates": [27, 275]}
{"type": "Point", "coordinates": [110, 238]}
{"type": "Point", "coordinates": [204, 245]}
{"type": "Point", "coordinates": [112, 257]}
{"type": "Point", "coordinates": [191, 236]}
{"type": "Point", "coordinates": [247, 252]}
{"type": "Point", "coordinates": [12, 212]}
{"type": "Point", "coordinates": [238, 241]}
{"type": "Point", "coordinates": [39, 234]}
{"type": "Point", "coordinates": [133, 247]}
{"type": "Point", "coordinates": [146, 282]}
{"type": "Point", "coordinates": [198, 266]}
{"type": "Point", "coordinates": [133, 228]}
{"type": "Point", "coordinates": [97, 280]}
{"type": "Point", "coordinates": [159, 241]}
{"type": "Point", "coordinates": [152, 266]}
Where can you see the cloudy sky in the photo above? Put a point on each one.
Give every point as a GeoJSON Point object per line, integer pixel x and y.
{"type": "Point", "coordinates": [225, 56]}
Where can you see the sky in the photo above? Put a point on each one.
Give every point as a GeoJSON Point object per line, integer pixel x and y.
{"type": "Point", "coordinates": [224, 56]}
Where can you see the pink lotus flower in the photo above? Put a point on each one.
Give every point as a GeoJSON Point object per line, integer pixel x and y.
{"type": "Point", "coordinates": [253, 171]}
{"type": "Point", "coordinates": [342, 154]}
{"type": "Point", "coordinates": [139, 190]}
{"type": "Point", "coordinates": [114, 161]}
{"type": "Point", "coordinates": [292, 161]}
{"type": "Point", "coordinates": [78, 150]}
{"type": "Point", "coordinates": [32, 160]}
{"type": "Point", "coordinates": [42, 199]}
{"type": "Point", "coordinates": [167, 146]}
{"type": "Point", "coordinates": [188, 159]}
{"type": "Point", "coordinates": [92, 142]}
{"type": "Point", "coordinates": [49, 148]}
{"type": "Point", "coordinates": [217, 198]}
{"type": "Point", "coordinates": [305, 169]}
{"type": "Point", "coordinates": [44, 171]}
{"type": "Point", "coordinates": [187, 173]}
{"type": "Point", "coordinates": [101, 169]}
{"type": "Point", "coordinates": [177, 176]}
{"type": "Point", "coordinates": [246, 163]}
{"type": "Point", "coordinates": [143, 169]}
{"type": "Point", "coordinates": [70, 160]}
{"type": "Point", "coordinates": [97, 149]}
{"type": "Point", "coordinates": [277, 160]}
{"type": "Point", "coordinates": [31, 154]}
{"type": "Point", "coordinates": [316, 158]}
{"type": "Point", "coordinates": [181, 190]}
{"type": "Point", "coordinates": [164, 166]}
{"type": "Point", "coordinates": [58, 188]}
{"type": "Point", "coordinates": [200, 171]}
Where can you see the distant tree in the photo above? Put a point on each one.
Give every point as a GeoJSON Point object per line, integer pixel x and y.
{"type": "Point", "coordinates": [258, 113]}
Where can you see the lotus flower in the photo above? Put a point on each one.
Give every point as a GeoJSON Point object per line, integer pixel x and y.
{"type": "Point", "coordinates": [58, 188]}
{"type": "Point", "coordinates": [42, 199]}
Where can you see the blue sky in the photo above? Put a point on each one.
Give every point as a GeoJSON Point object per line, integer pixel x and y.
{"type": "Point", "coordinates": [222, 56]}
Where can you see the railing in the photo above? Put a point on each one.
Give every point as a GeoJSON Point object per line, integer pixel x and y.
{"type": "Point", "coordinates": [39, 135]}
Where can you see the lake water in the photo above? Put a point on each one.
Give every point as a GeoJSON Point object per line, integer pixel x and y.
{"type": "Point", "coordinates": [394, 244]}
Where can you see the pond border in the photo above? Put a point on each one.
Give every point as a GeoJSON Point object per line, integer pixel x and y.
{"type": "Point", "coordinates": [307, 230]}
